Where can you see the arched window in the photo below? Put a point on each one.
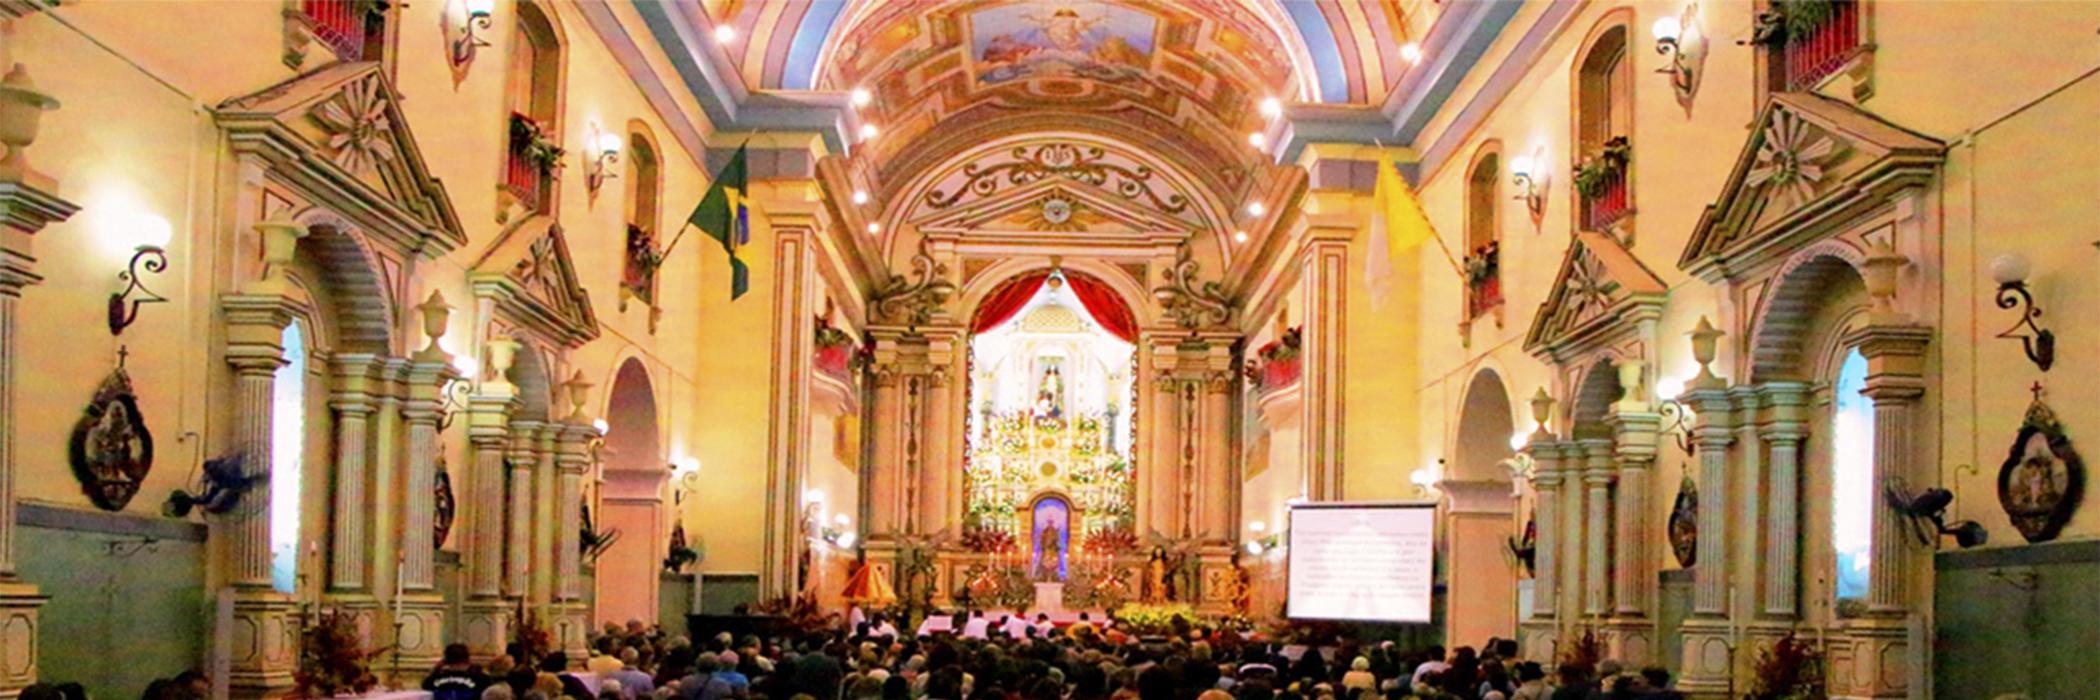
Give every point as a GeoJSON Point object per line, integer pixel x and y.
{"type": "Point", "coordinates": [287, 445]}
{"type": "Point", "coordinates": [644, 252]}
{"type": "Point", "coordinates": [1483, 237]}
{"type": "Point", "coordinates": [535, 97]}
{"type": "Point", "coordinates": [1603, 121]}
{"type": "Point", "coordinates": [1852, 479]}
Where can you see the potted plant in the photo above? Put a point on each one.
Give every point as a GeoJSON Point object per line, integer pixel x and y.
{"type": "Point", "coordinates": [531, 142]}
{"type": "Point", "coordinates": [1784, 20]}
{"type": "Point", "coordinates": [1791, 670]}
{"type": "Point", "coordinates": [331, 660]}
{"type": "Point", "coordinates": [1279, 359]}
{"type": "Point", "coordinates": [1596, 173]}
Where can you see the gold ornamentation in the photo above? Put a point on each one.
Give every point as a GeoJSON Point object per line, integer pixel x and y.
{"type": "Point", "coordinates": [1192, 303]}
{"type": "Point", "coordinates": [902, 300]}
{"type": "Point", "coordinates": [1069, 161]}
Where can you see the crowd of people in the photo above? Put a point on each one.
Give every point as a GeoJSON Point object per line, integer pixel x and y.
{"type": "Point", "coordinates": [972, 656]}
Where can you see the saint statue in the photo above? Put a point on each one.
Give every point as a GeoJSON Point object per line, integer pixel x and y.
{"type": "Point", "coordinates": [1156, 577]}
{"type": "Point", "coordinates": [1050, 399]}
{"type": "Point", "coordinates": [1049, 549]}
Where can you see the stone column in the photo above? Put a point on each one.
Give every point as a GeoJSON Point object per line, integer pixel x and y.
{"type": "Point", "coordinates": [793, 349]}
{"type": "Point", "coordinates": [1788, 402]}
{"type": "Point", "coordinates": [1573, 542]}
{"type": "Point", "coordinates": [1709, 647]}
{"type": "Point", "coordinates": [1220, 488]}
{"type": "Point", "coordinates": [486, 626]}
{"type": "Point", "coordinates": [523, 456]}
{"type": "Point", "coordinates": [546, 517]}
{"type": "Point", "coordinates": [1164, 414]}
{"type": "Point", "coordinates": [265, 643]}
{"type": "Point", "coordinates": [1541, 639]}
{"type": "Point", "coordinates": [384, 462]}
{"type": "Point", "coordinates": [881, 511]}
{"type": "Point", "coordinates": [1597, 478]}
{"type": "Point", "coordinates": [936, 469]}
{"type": "Point", "coordinates": [27, 205]}
{"type": "Point", "coordinates": [350, 548]}
{"type": "Point", "coordinates": [572, 461]}
{"type": "Point", "coordinates": [1896, 384]}
{"type": "Point", "coordinates": [1634, 566]}
{"type": "Point", "coordinates": [422, 609]}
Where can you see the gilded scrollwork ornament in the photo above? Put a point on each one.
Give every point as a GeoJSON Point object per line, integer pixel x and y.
{"type": "Point", "coordinates": [1192, 303]}
{"type": "Point", "coordinates": [913, 300]}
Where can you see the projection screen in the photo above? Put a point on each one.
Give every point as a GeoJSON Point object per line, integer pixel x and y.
{"type": "Point", "coordinates": [1372, 562]}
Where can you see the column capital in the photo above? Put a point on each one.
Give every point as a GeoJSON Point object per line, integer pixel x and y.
{"type": "Point", "coordinates": [26, 208]}
{"type": "Point", "coordinates": [255, 330]}
{"type": "Point", "coordinates": [1637, 434]}
{"type": "Point", "coordinates": [488, 414]}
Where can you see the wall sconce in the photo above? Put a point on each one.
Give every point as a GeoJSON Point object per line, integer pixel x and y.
{"type": "Point", "coordinates": [1426, 479]}
{"type": "Point", "coordinates": [150, 256]}
{"type": "Point", "coordinates": [2010, 271]}
{"type": "Point", "coordinates": [1679, 39]}
{"type": "Point", "coordinates": [1677, 418]}
{"type": "Point", "coordinates": [469, 39]}
{"type": "Point", "coordinates": [1531, 184]}
{"type": "Point", "coordinates": [605, 152]}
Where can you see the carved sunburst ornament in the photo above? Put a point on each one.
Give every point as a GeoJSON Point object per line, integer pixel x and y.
{"type": "Point", "coordinates": [1792, 159]}
{"type": "Point", "coordinates": [357, 125]}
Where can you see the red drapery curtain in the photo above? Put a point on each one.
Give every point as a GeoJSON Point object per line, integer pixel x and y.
{"type": "Point", "coordinates": [1006, 301]}
{"type": "Point", "coordinates": [1102, 303]}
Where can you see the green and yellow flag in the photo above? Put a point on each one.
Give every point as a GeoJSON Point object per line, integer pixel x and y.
{"type": "Point", "coordinates": [724, 216]}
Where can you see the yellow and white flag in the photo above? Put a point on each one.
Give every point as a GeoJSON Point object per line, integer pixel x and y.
{"type": "Point", "coordinates": [1398, 227]}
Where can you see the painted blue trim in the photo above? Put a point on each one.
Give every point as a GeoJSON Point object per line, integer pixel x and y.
{"type": "Point", "coordinates": [1490, 20]}
{"type": "Point", "coordinates": [686, 61]}
{"type": "Point", "coordinates": [629, 54]}
{"type": "Point", "coordinates": [801, 71]}
{"type": "Point", "coordinates": [1320, 42]}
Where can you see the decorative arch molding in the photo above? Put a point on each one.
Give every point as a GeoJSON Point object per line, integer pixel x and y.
{"type": "Point", "coordinates": [634, 432]}
{"type": "Point", "coordinates": [1592, 390]}
{"type": "Point", "coordinates": [528, 277]}
{"type": "Point", "coordinates": [1486, 419]}
{"type": "Point", "coordinates": [1804, 292]}
{"type": "Point", "coordinates": [359, 282]}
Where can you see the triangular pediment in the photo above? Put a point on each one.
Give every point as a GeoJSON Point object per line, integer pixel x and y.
{"type": "Point", "coordinates": [1055, 207]}
{"type": "Point", "coordinates": [530, 275]}
{"type": "Point", "coordinates": [338, 135]}
{"type": "Point", "coordinates": [1600, 296]}
{"type": "Point", "coordinates": [1811, 162]}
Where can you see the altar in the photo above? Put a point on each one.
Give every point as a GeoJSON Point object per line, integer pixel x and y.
{"type": "Point", "coordinates": [1050, 598]}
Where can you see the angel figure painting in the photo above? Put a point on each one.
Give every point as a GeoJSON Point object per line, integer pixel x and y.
{"type": "Point", "coordinates": [1087, 39]}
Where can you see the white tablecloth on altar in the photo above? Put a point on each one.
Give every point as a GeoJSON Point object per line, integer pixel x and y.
{"type": "Point", "coordinates": [590, 680]}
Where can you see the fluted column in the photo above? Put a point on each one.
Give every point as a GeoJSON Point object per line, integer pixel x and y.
{"type": "Point", "coordinates": [1712, 436]}
{"type": "Point", "coordinates": [522, 457]}
{"type": "Point", "coordinates": [1597, 478]}
{"type": "Point", "coordinates": [426, 379]}
{"type": "Point", "coordinates": [350, 547]}
{"type": "Point", "coordinates": [384, 463]}
{"type": "Point", "coordinates": [572, 461]}
{"type": "Point", "coordinates": [489, 437]}
{"type": "Point", "coordinates": [1546, 592]}
{"type": "Point", "coordinates": [937, 469]}
{"type": "Point", "coordinates": [1323, 280]}
{"type": "Point", "coordinates": [1895, 357]}
{"type": "Point", "coordinates": [1783, 434]}
{"type": "Point", "coordinates": [546, 514]}
{"type": "Point", "coordinates": [883, 512]}
{"type": "Point", "coordinates": [1634, 570]}
{"type": "Point", "coordinates": [265, 634]}
{"type": "Point", "coordinates": [1220, 488]}
{"type": "Point", "coordinates": [1573, 542]}
{"type": "Point", "coordinates": [1165, 417]}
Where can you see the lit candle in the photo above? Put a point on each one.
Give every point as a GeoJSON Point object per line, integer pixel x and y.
{"type": "Point", "coordinates": [400, 585]}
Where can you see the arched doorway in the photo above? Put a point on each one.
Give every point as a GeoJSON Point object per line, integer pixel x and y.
{"type": "Point", "coordinates": [632, 500]}
{"type": "Point", "coordinates": [1482, 598]}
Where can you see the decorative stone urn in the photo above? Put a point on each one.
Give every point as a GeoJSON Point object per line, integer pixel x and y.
{"type": "Point", "coordinates": [22, 110]}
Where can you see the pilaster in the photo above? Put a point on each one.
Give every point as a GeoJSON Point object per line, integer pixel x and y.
{"type": "Point", "coordinates": [265, 631]}
{"type": "Point", "coordinates": [1597, 479]}
{"type": "Point", "coordinates": [571, 612]}
{"type": "Point", "coordinates": [350, 545]}
{"type": "Point", "coordinates": [793, 346]}
{"type": "Point", "coordinates": [1632, 628]}
{"type": "Point", "coordinates": [1324, 280]}
{"type": "Point", "coordinates": [1709, 641]}
{"type": "Point", "coordinates": [487, 616]}
{"type": "Point", "coordinates": [1546, 579]}
{"type": "Point", "coordinates": [1896, 358]}
{"type": "Point", "coordinates": [1573, 543]}
{"type": "Point", "coordinates": [420, 612]}
{"type": "Point", "coordinates": [522, 457]}
{"type": "Point", "coordinates": [1783, 432]}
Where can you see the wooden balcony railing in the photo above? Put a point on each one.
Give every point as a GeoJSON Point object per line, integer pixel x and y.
{"type": "Point", "coordinates": [341, 24]}
{"type": "Point", "coordinates": [1815, 55]}
{"type": "Point", "coordinates": [523, 177]}
{"type": "Point", "coordinates": [1609, 205]}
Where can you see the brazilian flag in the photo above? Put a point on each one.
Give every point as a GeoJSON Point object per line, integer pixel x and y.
{"type": "Point", "coordinates": [724, 216]}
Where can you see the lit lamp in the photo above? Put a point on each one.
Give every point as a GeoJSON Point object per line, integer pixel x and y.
{"type": "Point", "coordinates": [2010, 271]}
{"type": "Point", "coordinates": [1682, 51]}
{"type": "Point", "coordinates": [1530, 184]}
{"type": "Point", "coordinates": [605, 152]}
{"type": "Point", "coordinates": [153, 235]}
{"type": "Point", "coordinates": [469, 39]}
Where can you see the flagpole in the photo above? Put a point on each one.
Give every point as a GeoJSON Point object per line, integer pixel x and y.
{"type": "Point", "coordinates": [675, 239]}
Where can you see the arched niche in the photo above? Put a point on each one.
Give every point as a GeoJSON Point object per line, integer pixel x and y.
{"type": "Point", "coordinates": [631, 441]}
{"type": "Point", "coordinates": [1599, 389]}
{"type": "Point", "coordinates": [530, 373]}
{"type": "Point", "coordinates": [1484, 426]}
{"type": "Point", "coordinates": [1803, 319]}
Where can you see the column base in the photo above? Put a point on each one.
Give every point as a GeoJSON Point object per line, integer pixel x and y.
{"type": "Point", "coordinates": [1539, 640]}
{"type": "Point", "coordinates": [486, 626]}
{"type": "Point", "coordinates": [1631, 640]}
{"type": "Point", "coordinates": [572, 627]}
{"type": "Point", "coordinates": [265, 642]}
{"type": "Point", "coordinates": [19, 603]}
{"type": "Point", "coordinates": [419, 636]}
{"type": "Point", "coordinates": [363, 610]}
{"type": "Point", "coordinates": [1869, 658]}
{"type": "Point", "coordinates": [1709, 659]}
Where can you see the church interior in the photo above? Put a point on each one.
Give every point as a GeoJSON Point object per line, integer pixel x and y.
{"type": "Point", "coordinates": [1705, 331]}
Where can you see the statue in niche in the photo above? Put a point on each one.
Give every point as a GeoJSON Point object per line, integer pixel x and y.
{"type": "Point", "coordinates": [1051, 553]}
{"type": "Point", "coordinates": [1050, 399]}
{"type": "Point", "coordinates": [1156, 577]}
{"type": "Point", "coordinates": [111, 449]}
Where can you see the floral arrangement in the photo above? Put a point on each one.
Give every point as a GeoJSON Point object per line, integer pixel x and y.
{"type": "Point", "coordinates": [829, 337]}
{"type": "Point", "coordinates": [1285, 347]}
{"type": "Point", "coordinates": [1791, 670]}
{"type": "Point", "coordinates": [800, 611]}
{"type": "Point", "coordinates": [1156, 618]}
{"type": "Point", "coordinates": [1584, 651]}
{"type": "Point", "coordinates": [531, 635]}
{"type": "Point", "coordinates": [988, 540]}
{"type": "Point", "coordinates": [1596, 172]}
{"type": "Point", "coordinates": [528, 138]}
{"type": "Point", "coordinates": [1481, 264]}
{"type": "Point", "coordinates": [1783, 20]}
{"type": "Point", "coordinates": [1112, 540]}
{"type": "Point", "coordinates": [332, 661]}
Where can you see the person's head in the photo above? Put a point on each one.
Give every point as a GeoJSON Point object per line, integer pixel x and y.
{"type": "Point", "coordinates": [1042, 617]}
{"type": "Point", "coordinates": [42, 691]}
{"type": "Point", "coordinates": [707, 663]}
{"type": "Point", "coordinates": [1530, 671]}
{"type": "Point", "coordinates": [609, 686]}
{"type": "Point", "coordinates": [1609, 668]}
{"type": "Point", "coordinates": [1360, 664]}
{"type": "Point", "coordinates": [556, 662]}
{"type": "Point", "coordinates": [1434, 653]}
{"type": "Point", "coordinates": [896, 688]}
{"type": "Point", "coordinates": [728, 660]}
{"type": "Point", "coordinates": [501, 666]}
{"type": "Point", "coordinates": [865, 688]}
{"type": "Point", "coordinates": [499, 691]}
{"type": "Point", "coordinates": [195, 681]}
{"type": "Point", "coordinates": [1658, 677]}
{"type": "Point", "coordinates": [1573, 674]}
{"type": "Point", "coordinates": [1214, 694]}
{"type": "Point", "coordinates": [630, 656]}
{"type": "Point", "coordinates": [1083, 617]}
{"type": "Point", "coordinates": [547, 684]}
{"type": "Point", "coordinates": [456, 655]}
